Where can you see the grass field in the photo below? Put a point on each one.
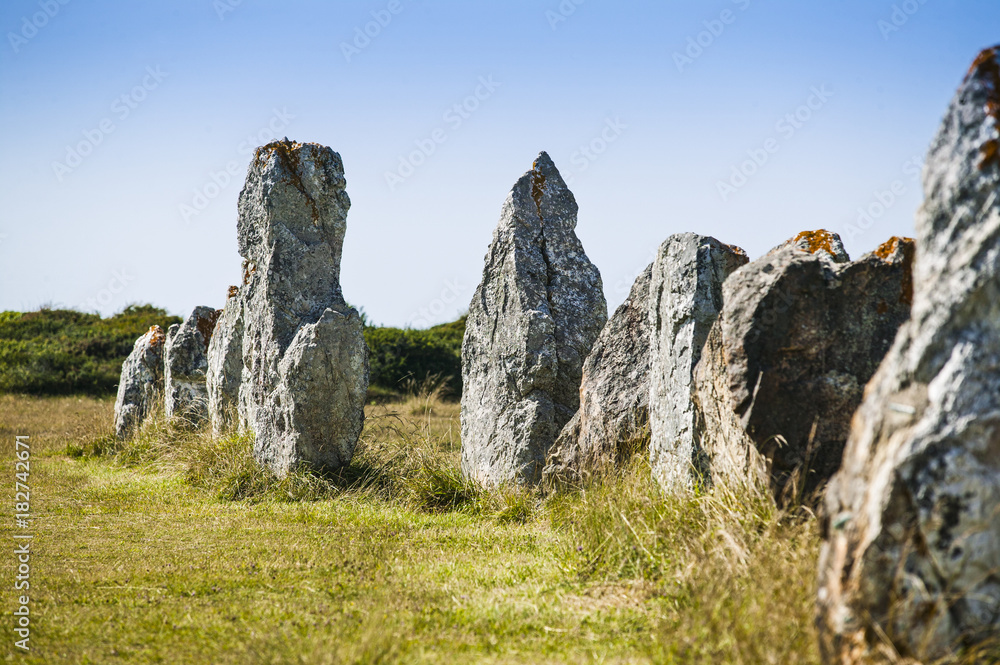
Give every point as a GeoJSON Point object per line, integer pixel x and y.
{"type": "Point", "coordinates": [178, 549]}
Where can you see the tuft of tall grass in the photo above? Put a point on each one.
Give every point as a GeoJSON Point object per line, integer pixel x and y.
{"type": "Point", "coordinates": [737, 572]}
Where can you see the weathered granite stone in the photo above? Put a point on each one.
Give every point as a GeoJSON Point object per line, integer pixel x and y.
{"type": "Point", "coordinates": [185, 360]}
{"type": "Point", "coordinates": [532, 323]}
{"type": "Point", "coordinates": [685, 298]}
{"type": "Point", "coordinates": [305, 361]}
{"type": "Point", "coordinates": [141, 383]}
{"type": "Point", "coordinates": [912, 520]}
{"type": "Point", "coordinates": [727, 455]}
{"type": "Point", "coordinates": [802, 335]}
{"type": "Point", "coordinates": [613, 418]}
{"type": "Point", "coordinates": [225, 365]}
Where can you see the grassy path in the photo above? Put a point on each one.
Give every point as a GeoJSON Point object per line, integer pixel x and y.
{"type": "Point", "coordinates": [136, 564]}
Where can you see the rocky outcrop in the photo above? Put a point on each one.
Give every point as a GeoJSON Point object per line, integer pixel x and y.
{"type": "Point", "coordinates": [802, 334]}
{"type": "Point", "coordinates": [305, 361]}
{"type": "Point", "coordinates": [684, 301]}
{"type": "Point", "coordinates": [532, 323]}
{"type": "Point", "coordinates": [911, 548]}
{"type": "Point", "coordinates": [225, 365]}
{"type": "Point", "coordinates": [613, 418]}
{"type": "Point", "coordinates": [141, 383]}
{"type": "Point", "coordinates": [185, 360]}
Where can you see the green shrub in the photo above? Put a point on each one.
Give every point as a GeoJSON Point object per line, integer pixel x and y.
{"type": "Point", "coordinates": [65, 352]}
{"type": "Point", "coordinates": [402, 358]}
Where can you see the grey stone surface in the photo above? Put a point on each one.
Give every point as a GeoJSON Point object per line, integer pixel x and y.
{"type": "Point", "coordinates": [728, 456]}
{"type": "Point", "coordinates": [141, 383]}
{"type": "Point", "coordinates": [305, 360]}
{"type": "Point", "coordinates": [613, 418]}
{"type": "Point", "coordinates": [532, 323]}
{"type": "Point", "coordinates": [685, 298]}
{"type": "Point", "coordinates": [225, 365]}
{"type": "Point", "coordinates": [185, 360]}
{"type": "Point", "coordinates": [912, 520]}
{"type": "Point", "coordinates": [802, 334]}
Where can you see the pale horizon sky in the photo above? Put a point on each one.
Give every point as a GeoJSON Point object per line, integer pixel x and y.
{"type": "Point", "coordinates": [128, 128]}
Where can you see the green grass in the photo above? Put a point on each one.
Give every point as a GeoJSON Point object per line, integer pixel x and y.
{"type": "Point", "coordinates": [177, 548]}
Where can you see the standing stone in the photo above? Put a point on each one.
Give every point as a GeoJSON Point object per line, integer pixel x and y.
{"type": "Point", "coordinates": [912, 520]}
{"type": "Point", "coordinates": [613, 418]}
{"type": "Point", "coordinates": [186, 365]}
{"type": "Point", "coordinates": [684, 301]}
{"type": "Point", "coordinates": [305, 361]}
{"type": "Point", "coordinates": [532, 323]}
{"type": "Point", "coordinates": [141, 383]}
{"type": "Point", "coordinates": [802, 332]}
{"type": "Point", "coordinates": [225, 365]}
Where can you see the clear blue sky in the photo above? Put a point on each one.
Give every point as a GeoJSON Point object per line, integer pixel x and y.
{"type": "Point", "coordinates": [202, 80]}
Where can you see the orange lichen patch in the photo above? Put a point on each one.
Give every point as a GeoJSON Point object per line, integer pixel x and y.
{"type": "Point", "coordinates": [156, 336]}
{"type": "Point", "coordinates": [284, 148]}
{"type": "Point", "coordinates": [985, 64]}
{"type": "Point", "coordinates": [739, 251]}
{"type": "Point", "coordinates": [537, 187]}
{"type": "Point", "coordinates": [248, 269]}
{"type": "Point", "coordinates": [815, 241]}
{"type": "Point", "coordinates": [206, 326]}
{"type": "Point", "coordinates": [991, 155]}
{"type": "Point", "coordinates": [288, 152]}
{"type": "Point", "coordinates": [890, 248]}
{"type": "Point", "coordinates": [984, 59]}
{"type": "Point", "coordinates": [987, 68]}
{"type": "Point", "coordinates": [233, 292]}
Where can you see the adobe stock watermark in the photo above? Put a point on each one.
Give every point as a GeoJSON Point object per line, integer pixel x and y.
{"type": "Point", "coordinates": [120, 279]}
{"type": "Point", "coordinates": [122, 107]}
{"type": "Point", "coordinates": [714, 28]}
{"type": "Point", "coordinates": [223, 7]}
{"type": "Point", "coordinates": [454, 117]}
{"type": "Point", "coordinates": [786, 128]}
{"type": "Point", "coordinates": [426, 316]}
{"type": "Point", "coordinates": [217, 181]}
{"type": "Point", "coordinates": [884, 199]}
{"type": "Point", "coordinates": [363, 35]}
{"type": "Point", "coordinates": [591, 151]}
{"type": "Point", "coordinates": [900, 16]}
{"type": "Point", "coordinates": [22, 541]}
{"type": "Point", "coordinates": [562, 13]}
{"type": "Point", "coordinates": [31, 25]}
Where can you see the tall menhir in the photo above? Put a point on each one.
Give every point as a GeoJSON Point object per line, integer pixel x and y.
{"type": "Point", "coordinates": [532, 322]}
{"type": "Point", "coordinates": [305, 362]}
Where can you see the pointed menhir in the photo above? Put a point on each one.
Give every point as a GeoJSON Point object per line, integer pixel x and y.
{"type": "Point", "coordinates": [532, 323]}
